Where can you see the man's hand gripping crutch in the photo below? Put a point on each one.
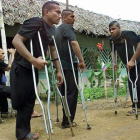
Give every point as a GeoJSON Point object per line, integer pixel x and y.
{"type": "Point", "coordinates": [63, 98]}
{"type": "Point", "coordinates": [81, 66]}
{"type": "Point", "coordinates": [133, 83]}
{"type": "Point", "coordinates": [114, 58]}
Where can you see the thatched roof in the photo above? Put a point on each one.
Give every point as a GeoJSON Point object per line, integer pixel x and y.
{"type": "Point", "coordinates": [16, 11]}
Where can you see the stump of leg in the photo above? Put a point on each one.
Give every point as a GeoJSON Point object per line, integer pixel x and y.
{"type": "Point", "coordinates": [136, 111]}
{"type": "Point", "coordinates": [57, 102]}
{"type": "Point", "coordinates": [67, 114]}
{"type": "Point", "coordinates": [136, 116]}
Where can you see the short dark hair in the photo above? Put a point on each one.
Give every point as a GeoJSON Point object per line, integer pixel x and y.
{"type": "Point", "coordinates": [114, 22]}
{"type": "Point", "coordinates": [49, 6]}
{"type": "Point", "coordinates": [65, 12]}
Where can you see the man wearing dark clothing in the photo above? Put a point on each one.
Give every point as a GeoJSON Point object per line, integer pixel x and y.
{"type": "Point", "coordinates": [23, 94]}
{"type": "Point", "coordinates": [118, 38]}
{"type": "Point", "coordinates": [63, 34]}
{"type": "Point", "coordinates": [5, 91]}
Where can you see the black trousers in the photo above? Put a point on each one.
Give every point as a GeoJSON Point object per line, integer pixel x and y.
{"type": "Point", "coordinates": [72, 94]}
{"type": "Point", "coordinates": [133, 77]}
{"type": "Point", "coordinates": [5, 92]}
{"type": "Point", "coordinates": [23, 97]}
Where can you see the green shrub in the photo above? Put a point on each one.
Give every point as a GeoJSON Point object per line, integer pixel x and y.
{"type": "Point", "coordinates": [98, 93]}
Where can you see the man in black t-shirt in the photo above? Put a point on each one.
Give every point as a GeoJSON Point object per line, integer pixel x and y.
{"type": "Point", "coordinates": [118, 37]}
{"type": "Point", "coordinates": [5, 91]}
{"type": "Point", "coordinates": [23, 94]}
{"type": "Point", "coordinates": [63, 34]}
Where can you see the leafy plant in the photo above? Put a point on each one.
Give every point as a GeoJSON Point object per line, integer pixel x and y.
{"type": "Point", "coordinates": [124, 80]}
{"type": "Point", "coordinates": [91, 78]}
{"type": "Point", "coordinates": [96, 74]}
{"type": "Point", "coordinates": [90, 58]}
{"type": "Point", "coordinates": [52, 82]}
{"type": "Point", "coordinates": [98, 93]}
{"type": "Point", "coordinates": [109, 73]}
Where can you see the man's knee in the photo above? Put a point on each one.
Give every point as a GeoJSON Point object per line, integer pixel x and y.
{"type": "Point", "coordinates": [17, 106]}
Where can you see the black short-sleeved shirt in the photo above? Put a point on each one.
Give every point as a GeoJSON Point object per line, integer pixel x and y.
{"type": "Point", "coordinates": [3, 66]}
{"type": "Point", "coordinates": [30, 29]}
{"type": "Point", "coordinates": [63, 34]}
{"type": "Point", "coordinates": [119, 45]}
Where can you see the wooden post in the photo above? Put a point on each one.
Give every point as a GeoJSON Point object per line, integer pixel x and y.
{"type": "Point", "coordinates": [104, 77]}
{"type": "Point", "coordinates": [67, 3]}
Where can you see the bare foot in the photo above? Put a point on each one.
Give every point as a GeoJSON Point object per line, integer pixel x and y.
{"type": "Point", "coordinates": [36, 114]}
{"type": "Point", "coordinates": [31, 136]}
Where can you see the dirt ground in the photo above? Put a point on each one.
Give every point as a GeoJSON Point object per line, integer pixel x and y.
{"type": "Point", "coordinates": [105, 124]}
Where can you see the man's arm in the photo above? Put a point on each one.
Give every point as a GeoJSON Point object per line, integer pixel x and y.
{"type": "Point", "coordinates": [18, 43]}
{"type": "Point", "coordinates": [114, 60]}
{"type": "Point", "coordinates": [131, 63]}
{"type": "Point", "coordinates": [77, 51]}
{"type": "Point", "coordinates": [12, 52]}
{"type": "Point", "coordinates": [57, 65]}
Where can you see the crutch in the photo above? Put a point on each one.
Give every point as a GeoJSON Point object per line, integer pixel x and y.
{"type": "Point", "coordinates": [56, 102]}
{"type": "Point", "coordinates": [34, 78]}
{"type": "Point", "coordinates": [10, 109]}
{"type": "Point", "coordinates": [133, 84]}
{"type": "Point", "coordinates": [63, 102]}
{"type": "Point", "coordinates": [114, 76]}
{"type": "Point", "coordinates": [127, 95]}
{"type": "Point", "coordinates": [62, 73]}
{"type": "Point", "coordinates": [48, 83]}
{"type": "Point", "coordinates": [54, 89]}
{"type": "Point", "coordinates": [63, 98]}
{"type": "Point", "coordinates": [35, 87]}
{"type": "Point", "coordinates": [81, 92]}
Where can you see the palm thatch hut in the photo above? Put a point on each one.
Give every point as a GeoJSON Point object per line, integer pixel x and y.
{"type": "Point", "coordinates": [88, 24]}
{"type": "Point", "coordinates": [17, 11]}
